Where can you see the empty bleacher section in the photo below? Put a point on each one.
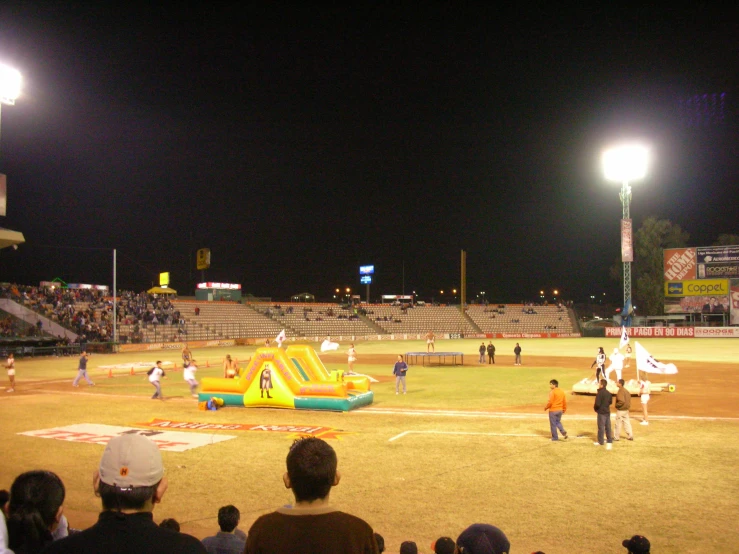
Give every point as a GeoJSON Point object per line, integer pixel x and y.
{"type": "Point", "coordinates": [518, 318]}
{"type": "Point", "coordinates": [316, 320]}
{"type": "Point", "coordinates": [419, 320]}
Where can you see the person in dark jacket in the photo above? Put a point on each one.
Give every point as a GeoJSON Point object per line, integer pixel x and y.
{"type": "Point", "coordinates": [602, 407]}
{"type": "Point", "coordinates": [482, 351]}
{"type": "Point", "coordinates": [491, 353]}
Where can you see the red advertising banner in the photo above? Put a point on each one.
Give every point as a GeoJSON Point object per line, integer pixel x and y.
{"type": "Point", "coordinates": [680, 264]}
{"type": "Point", "coordinates": [652, 332]}
{"type": "Point", "coordinates": [627, 244]}
{"type": "Point", "coordinates": [717, 332]}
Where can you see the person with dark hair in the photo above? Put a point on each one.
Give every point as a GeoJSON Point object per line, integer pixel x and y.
{"type": "Point", "coordinates": [444, 545]}
{"type": "Point", "coordinates": [517, 354]}
{"type": "Point", "coordinates": [557, 405]}
{"type": "Point", "coordinates": [226, 541]}
{"type": "Point", "coordinates": [482, 351]}
{"type": "Point", "coordinates": [638, 544]}
{"type": "Point", "coordinates": [481, 538]}
{"type": "Point", "coordinates": [311, 524]}
{"type": "Point", "coordinates": [408, 547]}
{"type": "Point", "coordinates": [82, 371]}
{"type": "Point", "coordinates": [399, 370]}
{"type": "Point", "coordinates": [600, 363]}
{"type": "Point", "coordinates": [380, 540]}
{"type": "Point", "coordinates": [154, 375]}
{"type": "Point", "coordinates": [130, 482]}
{"type": "Point", "coordinates": [491, 352]}
{"type": "Point", "coordinates": [4, 500]}
{"type": "Point", "coordinates": [171, 524]}
{"type": "Point", "coordinates": [34, 511]}
{"type": "Point", "coordinates": [602, 407]}
{"type": "Point", "coordinates": [623, 405]}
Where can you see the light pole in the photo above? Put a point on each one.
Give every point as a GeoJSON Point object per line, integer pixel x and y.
{"type": "Point", "coordinates": [623, 164]}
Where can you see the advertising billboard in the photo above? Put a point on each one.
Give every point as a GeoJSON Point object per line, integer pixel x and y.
{"type": "Point", "coordinates": [627, 244]}
{"type": "Point", "coordinates": [697, 287]}
{"type": "Point", "coordinates": [203, 258]}
{"type": "Point", "coordinates": [714, 304]}
{"type": "Point", "coordinates": [679, 264]}
{"type": "Point", "coordinates": [366, 269]}
{"type": "Point", "coordinates": [366, 279]}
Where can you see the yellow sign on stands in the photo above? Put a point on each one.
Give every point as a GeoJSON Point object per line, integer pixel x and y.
{"type": "Point", "coordinates": [203, 258]}
{"type": "Point", "coordinates": [697, 287]}
{"type": "Point", "coordinates": [164, 279]}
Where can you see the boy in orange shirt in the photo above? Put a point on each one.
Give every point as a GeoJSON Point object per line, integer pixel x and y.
{"type": "Point", "coordinates": [557, 406]}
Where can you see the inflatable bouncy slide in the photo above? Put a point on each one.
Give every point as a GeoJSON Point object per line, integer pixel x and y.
{"type": "Point", "coordinates": [293, 378]}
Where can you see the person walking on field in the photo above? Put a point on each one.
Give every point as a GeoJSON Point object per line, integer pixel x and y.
{"type": "Point", "coordinates": [482, 351]}
{"type": "Point", "coordinates": [399, 370]}
{"type": "Point", "coordinates": [188, 373]}
{"type": "Point", "coordinates": [557, 406]}
{"type": "Point", "coordinates": [351, 358]}
{"type": "Point", "coordinates": [602, 407]}
{"type": "Point", "coordinates": [517, 353]}
{"type": "Point", "coordinates": [154, 375]}
{"type": "Point", "coordinates": [491, 353]}
{"type": "Point", "coordinates": [10, 366]}
{"type": "Point", "coordinates": [82, 371]}
{"type": "Point", "coordinates": [623, 404]}
{"type": "Point", "coordinates": [617, 364]}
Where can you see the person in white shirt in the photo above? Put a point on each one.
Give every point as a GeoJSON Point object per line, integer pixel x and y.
{"type": "Point", "coordinates": [617, 364]}
{"type": "Point", "coordinates": [645, 391]}
{"type": "Point", "coordinates": [188, 373]}
{"type": "Point", "coordinates": [155, 374]}
{"type": "Point", "coordinates": [352, 357]}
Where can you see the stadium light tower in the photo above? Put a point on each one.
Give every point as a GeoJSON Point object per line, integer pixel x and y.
{"type": "Point", "coordinates": [623, 164]}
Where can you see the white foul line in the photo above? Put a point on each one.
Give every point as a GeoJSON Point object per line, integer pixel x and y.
{"type": "Point", "coordinates": [404, 433]}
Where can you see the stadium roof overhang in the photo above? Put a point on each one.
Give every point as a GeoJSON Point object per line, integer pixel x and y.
{"type": "Point", "coordinates": [10, 238]}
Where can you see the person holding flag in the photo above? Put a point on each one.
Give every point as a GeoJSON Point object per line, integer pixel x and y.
{"type": "Point", "coordinates": [282, 337]}
{"type": "Point", "coordinates": [648, 364]}
{"type": "Point", "coordinates": [617, 364]}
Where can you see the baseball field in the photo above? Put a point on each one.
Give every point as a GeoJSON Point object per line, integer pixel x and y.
{"type": "Point", "coordinates": [467, 444]}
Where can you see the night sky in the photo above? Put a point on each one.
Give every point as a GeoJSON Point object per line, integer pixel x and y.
{"type": "Point", "coordinates": [299, 143]}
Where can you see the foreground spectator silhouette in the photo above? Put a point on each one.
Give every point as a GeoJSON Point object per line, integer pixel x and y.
{"type": "Point", "coordinates": [130, 481]}
{"type": "Point", "coordinates": [226, 541]}
{"type": "Point", "coordinates": [36, 499]}
{"type": "Point", "coordinates": [638, 544]}
{"type": "Point", "coordinates": [311, 525]}
{"type": "Point", "coordinates": [481, 538]}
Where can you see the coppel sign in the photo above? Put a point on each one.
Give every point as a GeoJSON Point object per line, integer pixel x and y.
{"type": "Point", "coordinates": [697, 287]}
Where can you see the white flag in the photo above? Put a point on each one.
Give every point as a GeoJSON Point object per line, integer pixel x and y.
{"type": "Point", "coordinates": [645, 362]}
{"type": "Point", "coordinates": [624, 338]}
{"type": "Point", "coordinates": [282, 337]}
{"type": "Point", "coordinates": [327, 346]}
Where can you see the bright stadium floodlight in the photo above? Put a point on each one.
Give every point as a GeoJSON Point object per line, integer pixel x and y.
{"type": "Point", "coordinates": [10, 84]}
{"type": "Point", "coordinates": [623, 164]}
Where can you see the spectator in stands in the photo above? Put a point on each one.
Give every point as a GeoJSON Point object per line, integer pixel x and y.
{"type": "Point", "coordinates": [129, 481]}
{"type": "Point", "coordinates": [444, 545]}
{"type": "Point", "coordinates": [226, 541]}
{"type": "Point", "coordinates": [82, 370]}
{"type": "Point", "coordinates": [10, 366]}
{"type": "Point", "coordinates": [481, 538]}
{"type": "Point", "coordinates": [408, 547]}
{"type": "Point", "coordinates": [171, 524]}
{"type": "Point", "coordinates": [482, 351]}
{"type": "Point", "coordinates": [491, 352]}
{"type": "Point", "coordinates": [380, 540]}
{"type": "Point", "coordinates": [638, 544]}
{"type": "Point", "coordinates": [399, 370]}
{"type": "Point", "coordinates": [311, 472]}
{"type": "Point", "coordinates": [34, 512]}
{"type": "Point", "coordinates": [517, 353]}
{"type": "Point", "coordinates": [602, 406]}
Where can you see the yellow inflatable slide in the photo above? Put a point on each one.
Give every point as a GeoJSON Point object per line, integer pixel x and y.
{"type": "Point", "coordinates": [293, 378]}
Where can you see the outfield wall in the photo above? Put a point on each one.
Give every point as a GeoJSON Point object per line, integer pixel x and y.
{"type": "Point", "coordinates": [676, 332]}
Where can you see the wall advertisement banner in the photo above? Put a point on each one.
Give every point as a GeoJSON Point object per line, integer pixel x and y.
{"type": "Point", "coordinates": [655, 332]}
{"type": "Point", "coordinates": [717, 254]}
{"type": "Point", "coordinates": [714, 304]}
{"type": "Point", "coordinates": [709, 271]}
{"type": "Point", "coordinates": [679, 264]}
{"type": "Point", "coordinates": [627, 245]}
{"type": "Point", "coordinates": [697, 287]}
{"type": "Point", "coordinates": [717, 332]}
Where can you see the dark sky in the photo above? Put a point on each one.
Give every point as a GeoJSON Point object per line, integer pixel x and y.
{"type": "Point", "coordinates": [299, 143]}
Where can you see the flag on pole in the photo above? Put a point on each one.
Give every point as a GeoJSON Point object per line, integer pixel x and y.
{"type": "Point", "coordinates": [645, 362]}
{"type": "Point", "coordinates": [327, 345]}
{"type": "Point", "coordinates": [624, 338]}
{"type": "Point", "coordinates": [282, 337]}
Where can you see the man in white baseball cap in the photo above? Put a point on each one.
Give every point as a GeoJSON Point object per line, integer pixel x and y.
{"type": "Point", "coordinates": [129, 481]}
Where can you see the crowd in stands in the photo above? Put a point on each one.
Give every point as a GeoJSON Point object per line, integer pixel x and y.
{"type": "Point", "coordinates": [130, 481]}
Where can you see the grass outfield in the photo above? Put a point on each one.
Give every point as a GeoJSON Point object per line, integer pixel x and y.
{"type": "Point", "coordinates": [467, 444]}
